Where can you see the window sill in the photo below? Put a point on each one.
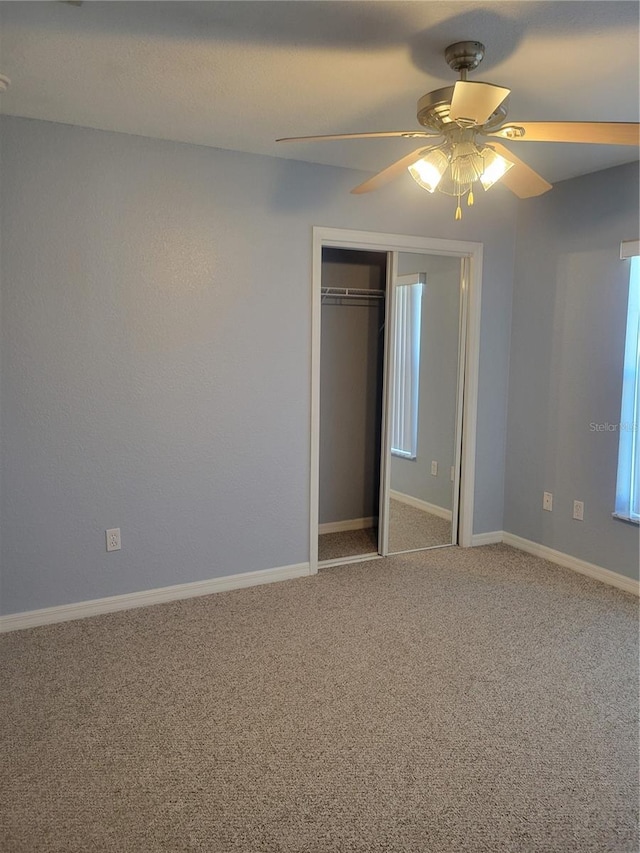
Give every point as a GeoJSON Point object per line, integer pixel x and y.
{"type": "Point", "coordinates": [626, 518]}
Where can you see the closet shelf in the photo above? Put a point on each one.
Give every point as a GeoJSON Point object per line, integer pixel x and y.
{"type": "Point", "coordinates": [352, 293]}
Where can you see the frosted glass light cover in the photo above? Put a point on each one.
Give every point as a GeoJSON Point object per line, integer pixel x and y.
{"type": "Point", "coordinates": [495, 167]}
{"type": "Point", "coordinates": [428, 172]}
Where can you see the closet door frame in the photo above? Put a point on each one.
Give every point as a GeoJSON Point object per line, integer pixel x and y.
{"type": "Point", "coordinates": [472, 289]}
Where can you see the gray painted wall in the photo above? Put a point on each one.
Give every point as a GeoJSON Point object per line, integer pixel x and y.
{"type": "Point", "coordinates": [568, 328]}
{"type": "Point", "coordinates": [351, 368]}
{"type": "Point", "coordinates": [155, 352]}
{"type": "Point", "coordinates": [439, 338]}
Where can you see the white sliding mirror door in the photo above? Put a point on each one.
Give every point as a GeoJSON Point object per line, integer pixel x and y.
{"type": "Point", "coordinates": [423, 418]}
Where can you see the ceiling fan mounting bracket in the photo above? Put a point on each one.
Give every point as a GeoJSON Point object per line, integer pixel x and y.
{"type": "Point", "coordinates": [464, 56]}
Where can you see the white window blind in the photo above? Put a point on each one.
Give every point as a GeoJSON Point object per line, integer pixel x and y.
{"type": "Point", "coordinates": [404, 408]}
{"type": "Point", "coordinates": [628, 481]}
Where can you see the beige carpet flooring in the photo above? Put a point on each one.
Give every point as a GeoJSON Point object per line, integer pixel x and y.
{"type": "Point", "coordinates": [347, 543]}
{"type": "Point", "coordinates": [452, 701]}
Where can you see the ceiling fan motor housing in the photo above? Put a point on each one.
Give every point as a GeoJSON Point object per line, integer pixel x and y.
{"type": "Point", "coordinates": [433, 111]}
{"type": "Point", "coordinates": [434, 107]}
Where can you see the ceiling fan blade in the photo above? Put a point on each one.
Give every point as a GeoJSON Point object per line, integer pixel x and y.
{"type": "Point", "coordinates": [391, 171]}
{"type": "Point", "coordinates": [600, 133]}
{"type": "Point", "coordinates": [407, 134]}
{"type": "Point", "coordinates": [474, 102]}
{"type": "Point", "coordinates": [521, 179]}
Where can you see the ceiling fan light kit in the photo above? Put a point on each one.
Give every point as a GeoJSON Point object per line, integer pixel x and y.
{"type": "Point", "coordinates": [453, 167]}
{"type": "Point", "coordinates": [465, 123]}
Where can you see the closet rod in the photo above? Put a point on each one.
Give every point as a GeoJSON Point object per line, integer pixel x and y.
{"type": "Point", "coordinates": [353, 292]}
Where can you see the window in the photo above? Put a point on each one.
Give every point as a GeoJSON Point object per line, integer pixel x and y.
{"type": "Point", "coordinates": [628, 483]}
{"type": "Point", "coordinates": [404, 407]}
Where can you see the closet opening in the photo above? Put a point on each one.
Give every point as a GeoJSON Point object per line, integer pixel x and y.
{"type": "Point", "coordinates": [352, 342]}
{"type": "Point", "coordinates": [394, 384]}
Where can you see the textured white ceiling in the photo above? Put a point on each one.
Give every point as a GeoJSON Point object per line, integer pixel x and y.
{"type": "Point", "coordinates": [239, 74]}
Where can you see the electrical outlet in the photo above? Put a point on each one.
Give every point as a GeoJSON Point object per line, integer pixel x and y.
{"type": "Point", "coordinates": [113, 539]}
{"type": "Point", "coordinates": [578, 510]}
{"type": "Point", "coordinates": [434, 469]}
{"type": "Point", "coordinates": [547, 502]}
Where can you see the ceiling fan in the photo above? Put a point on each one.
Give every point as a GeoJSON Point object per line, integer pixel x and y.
{"type": "Point", "coordinates": [464, 124]}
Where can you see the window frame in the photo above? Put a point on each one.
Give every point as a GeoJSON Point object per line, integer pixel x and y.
{"type": "Point", "coordinates": [627, 502]}
{"type": "Point", "coordinates": [406, 369]}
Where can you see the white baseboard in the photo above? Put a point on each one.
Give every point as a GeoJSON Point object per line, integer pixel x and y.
{"type": "Point", "coordinates": [434, 509]}
{"type": "Point", "coordinates": [82, 609]}
{"type": "Point", "coordinates": [493, 537]}
{"type": "Point", "coordinates": [347, 524]}
{"type": "Point", "coordinates": [574, 563]}
{"type": "Point", "coordinates": [145, 598]}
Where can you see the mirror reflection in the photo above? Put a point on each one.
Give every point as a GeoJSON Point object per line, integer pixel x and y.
{"type": "Point", "coordinates": [424, 393]}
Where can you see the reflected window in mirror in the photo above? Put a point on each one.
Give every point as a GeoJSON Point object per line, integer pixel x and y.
{"type": "Point", "coordinates": [406, 378]}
